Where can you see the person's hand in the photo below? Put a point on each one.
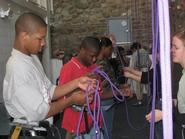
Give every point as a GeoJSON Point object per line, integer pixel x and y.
{"type": "Point", "coordinates": [127, 71]}
{"type": "Point", "coordinates": [79, 97]}
{"type": "Point", "coordinates": [158, 116]}
{"type": "Point", "coordinates": [85, 83]}
{"type": "Point", "coordinates": [174, 102]}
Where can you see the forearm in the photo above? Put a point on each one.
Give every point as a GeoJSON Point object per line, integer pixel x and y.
{"type": "Point", "coordinates": [58, 106]}
{"type": "Point", "coordinates": [136, 72]}
{"type": "Point", "coordinates": [135, 77]}
{"type": "Point", "coordinates": [62, 90]}
{"type": "Point", "coordinates": [132, 73]}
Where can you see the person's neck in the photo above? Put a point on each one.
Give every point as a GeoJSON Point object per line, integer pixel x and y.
{"type": "Point", "coordinates": [19, 46]}
{"type": "Point", "coordinates": [80, 60]}
{"type": "Point", "coordinates": [100, 56]}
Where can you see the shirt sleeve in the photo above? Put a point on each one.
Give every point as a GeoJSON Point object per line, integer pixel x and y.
{"type": "Point", "coordinates": [50, 87]}
{"type": "Point", "coordinates": [29, 101]}
{"type": "Point", "coordinates": [181, 95]}
{"type": "Point", "coordinates": [52, 90]}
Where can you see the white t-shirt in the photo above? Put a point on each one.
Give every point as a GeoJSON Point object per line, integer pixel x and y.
{"type": "Point", "coordinates": [181, 94]}
{"type": "Point", "coordinates": [27, 91]}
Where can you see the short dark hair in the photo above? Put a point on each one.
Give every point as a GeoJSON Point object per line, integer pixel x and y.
{"type": "Point", "coordinates": [28, 22]}
{"type": "Point", "coordinates": [105, 42]}
{"type": "Point", "coordinates": [121, 49]}
{"type": "Point", "coordinates": [181, 36]}
{"type": "Point", "coordinates": [136, 45]}
{"type": "Point", "coordinates": [90, 43]}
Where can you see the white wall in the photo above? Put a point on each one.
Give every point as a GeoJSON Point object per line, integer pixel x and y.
{"type": "Point", "coordinates": [6, 42]}
{"type": "Point", "coordinates": [7, 37]}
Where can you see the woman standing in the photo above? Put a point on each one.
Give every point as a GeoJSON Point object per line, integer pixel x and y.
{"type": "Point", "coordinates": [178, 56]}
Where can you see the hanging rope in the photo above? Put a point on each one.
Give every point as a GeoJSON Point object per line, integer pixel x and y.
{"type": "Point", "coordinates": [161, 29]}
{"type": "Point", "coordinates": [95, 115]}
{"type": "Point", "coordinates": [164, 31]}
{"type": "Point", "coordinates": [154, 53]}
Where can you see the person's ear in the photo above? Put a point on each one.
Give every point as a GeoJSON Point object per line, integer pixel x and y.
{"type": "Point", "coordinates": [102, 50]}
{"type": "Point", "coordinates": [83, 50]}
{"type": "Point", "coordinates": [24, 35]}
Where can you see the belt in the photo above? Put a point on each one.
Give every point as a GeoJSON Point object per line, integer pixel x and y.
{"type": "Point", "coordinates": [86, 122]}
{"type": "Point", "coordinates": [37, 131]}
{"type": "Point", "coordinates": [78, 108]}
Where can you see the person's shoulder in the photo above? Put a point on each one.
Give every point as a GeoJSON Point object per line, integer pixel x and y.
{"type": "Point", "coordinates": [68, 65]}
{"type": "Point", "coordinates": [94, 66]}
{"type": "Point", "coordinates": [183, 75]}
{"type": "Point", "coordinates": [18, 66]}
{"type": "Point", "coordinates": [134, 54]}
{"type": "Point", "coordinates": [13, 63]}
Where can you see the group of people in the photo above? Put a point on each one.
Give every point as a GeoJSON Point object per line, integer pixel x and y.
{"type": "Point", "coordinates": [93, 53]}
{"type": "Point", "coordinates": [30, 97]}
{"type": "Point", "coordinates": [28, 94]}
{"type": "Point", "coordinates": [178, 56]}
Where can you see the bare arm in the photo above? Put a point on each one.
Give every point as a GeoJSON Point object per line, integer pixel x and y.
{"type": "Point", "coordinates": [133, 71]}
{"type": "Point", "coordinates": [77, 97]}
{"type": "Point", "coordinates": [58, 106]}
{"type": "Point", "coordinates": [67, 88]}
{"type": "Point", "coordinates": [133, 74]}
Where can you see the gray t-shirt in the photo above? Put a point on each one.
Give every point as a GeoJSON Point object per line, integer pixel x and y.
{"type": "Point", "coordinates": [181, 94]}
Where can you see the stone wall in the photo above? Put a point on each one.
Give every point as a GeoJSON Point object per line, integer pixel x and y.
{"type": "Point", "coordinates": [177, 13]}
{"type": "Point", "coordinates": [75, 19]}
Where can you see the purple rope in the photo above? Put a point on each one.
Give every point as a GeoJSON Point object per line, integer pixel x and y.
{"type": "Point", "coordinates": [165, 68]}
{"type": "Point", "coordinates": [79, 123]}
{"type": "Point", "coordinates": [113, 87]}
{"type": "Point", "coordinates": [162, 21]}
{"type": "Point", "coordinates": [154, 57]}
{"type": "Point", "coordinates": [96, 113]}
{"type": "Point", "coordinates": [95, 117]}
{"type": "Point", "coordinates": [97, 110]}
